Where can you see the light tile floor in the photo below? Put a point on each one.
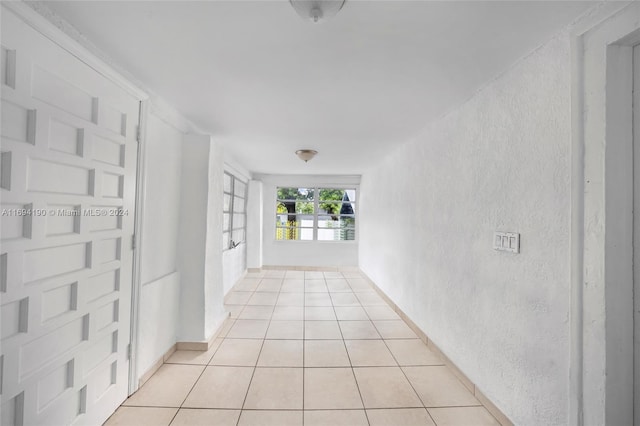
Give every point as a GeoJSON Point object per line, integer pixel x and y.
{"type": "Point", "coordinates": [306, 348]}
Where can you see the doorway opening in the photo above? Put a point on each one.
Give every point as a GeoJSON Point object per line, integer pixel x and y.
{"type": "Point", "coordinates": [636, 234]}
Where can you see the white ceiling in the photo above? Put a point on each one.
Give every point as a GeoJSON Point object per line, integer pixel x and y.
{"type": "Point", "coordinates": [265, 82]}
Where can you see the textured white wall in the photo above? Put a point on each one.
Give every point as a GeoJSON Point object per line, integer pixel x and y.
{"type": "Point", "coordinates": [234, 263]}
{"type": "Point", "coordinates": [200, 248]}
{"type": "Point", "coordinates": [254, 224]}
{"type": "Point", "coordinates": [159, 296]}
{"type": "Point", "coordinates": [502, 162]}
{"type": "Point", "coordinates": [159, 316]}
{"type": "Point", "coordinates": [193, 236]}
{"type": "Point", "coordinates": [162, 196]}
{"type": "Point", "coordinates": [214, 313]}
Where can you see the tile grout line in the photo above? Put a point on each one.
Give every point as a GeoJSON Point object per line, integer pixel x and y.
{"type": "Point", "coordinates": [407, 378]}
{"type": "Point", "coordinates": [234, 322]}
{"type": "Point", "coordinates": [304, 335]}
{"type": "Point", "coordinates": [195, 383]}
{"type": "Point", "coordinates": [353, 373]}
{"type": "Point", "coordinates": [405, 375]}
{"type": "Point", "coordinates": [398, 364]}
{"type": "Point", "coordinates": [244, 401]}
{"type": "Point", "coordinates": [227, 333]}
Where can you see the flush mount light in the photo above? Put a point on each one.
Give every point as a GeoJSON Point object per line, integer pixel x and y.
{"type": "Point", "coordinates": [306, 154]}
{"type": "Point", "coordinates": [317, 10]}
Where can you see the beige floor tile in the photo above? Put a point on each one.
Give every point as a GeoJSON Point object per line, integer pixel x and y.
{"type": "Point", "coordinates": [194, 357]}
{"type": "Point", "coordinates": [369, 353]}
{"type": "Point", "coordinates": [352, 274]}
{"type": "Point", "coordinates": [335, 418]}
{"type": "Point", "coordinates": [400, 416]}
{"type": "Point", "coordinates": [206, 416]}
{"type": "Point", "coordinates": [290, 299]}
{"type": "Point", "coordinates": [370, 298]}
{"type": "Point", "coordinates": [141, 416]}
{"type": "Point", "coordinates": [294, 274]}
{"type": "Point", "coordinates": [381, 313]}
{"type": "Point", "coordinates": [234, 310]}
{"type": "Point", "coordinates": [284, 307]}
{"type": "Point", "coordinates": [226, 326]}
{"type": "Point", "coordinates": [292, 313]}
{"type": "Point", "coordinates": [248, 284]}
{"type": "Point", "coordinates": [313, 275]}
{"type": "Point", "coordinates": [248, 329]}
{"type": "Point", "coordinates": [317, 313]}
{"type": "Point", "coordinates": [270, 285]}
{"type": "Point", "coordinates": [412, 352]}
{"type": "Point", "coordinates": [332, 275]}
{"type": "Point", "coordinates": [292, 286]}
{"type": "Point", "coordinates": [344, 299]}
{"type": "Point", "coordinates": [463, 416]}
{"type": "Point", "coordinates": [322, 330]}
{"type": "Point", "coordinates": [254, 275]}
{"type": "Point", "coordinates": [285, 330]}
{"type": "Point", "coordinates": [338, 286]}
{"type": "Point", "coordinates": [256, 312]}
{"type": "Point", "coordinates": [238, 352]}
{"type": "Point", "coordinates": [358, 284]}
{"type": "Point", "coordinates": [330, 388]}
{"type": "Point", "coordinates": [385, 387]}
{"type": "Point", "coordinates": [394, 329]}
{"type": "Point", "coordinates": [275, 388]}
{"type": "Point", "coordinates": [264, 298]}
{"type": "Point", "coordinates": [220, 387]}
{"type": "Point", "coordinates": [325, 353]}
{"type": "Point", "coordinates": [238, 297]}
{"type": "Point", "coordinates": [370, 291]}
{"type": "Point", "coordinates": [358, 330]}
{"type": "Point", "coordinates": [351, 313]}
{"type": "Point", "coordinates": [168, 387]}
{"type": "Point", "coordinates": [317, 299]}
{"type": "Point", "coordinates": [438, 387]}
{"type": "Point", "coordinates": [270, 418]}
{"type": "Point", "coordinates": [281, 353]}
{"type": "Point", "coordinates": [315, 286]}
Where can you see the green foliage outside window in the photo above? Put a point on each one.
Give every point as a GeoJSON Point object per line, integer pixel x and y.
{"type": "Point", "coordinates": [335, 211]}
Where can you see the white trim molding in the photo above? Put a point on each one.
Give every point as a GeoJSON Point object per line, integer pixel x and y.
{"type": "Point", "coordinates": [40, 17]}
{"type": "Point", "coordinates": [602, 281]}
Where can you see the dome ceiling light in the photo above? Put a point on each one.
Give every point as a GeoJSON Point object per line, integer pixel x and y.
{"type": "Point", "coordinates": [306, 154]}
{"type": "Point", "coordinates": [317, 10]}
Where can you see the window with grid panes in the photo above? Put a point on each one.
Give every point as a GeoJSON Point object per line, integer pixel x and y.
{"type": "Point", "coordinates": [234, 226]}
{"type": "Point", "coordinates": [315, 214]}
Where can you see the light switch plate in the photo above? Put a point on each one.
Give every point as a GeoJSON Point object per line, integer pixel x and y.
{"type": "Point", "coordinates": [506, 241]}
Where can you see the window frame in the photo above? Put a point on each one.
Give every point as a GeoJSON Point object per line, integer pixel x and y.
{"type": "Point", "coordinates": [231, 212]}
{"type": "Point", "coordinates": [316, 213]}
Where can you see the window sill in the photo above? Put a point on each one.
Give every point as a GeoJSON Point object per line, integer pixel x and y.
{"type": "Point", "coordinates": [314, 241]}
{"type": "Point", "coordinates": [230, 249]}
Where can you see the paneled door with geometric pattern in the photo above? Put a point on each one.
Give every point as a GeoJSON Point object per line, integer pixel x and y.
{"type": "Point", "coordinates": [68, 171]}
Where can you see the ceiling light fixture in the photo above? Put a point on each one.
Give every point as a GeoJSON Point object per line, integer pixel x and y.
{"type": "Point", "coordinates": [306, 154]}
{"type": "Point", "coordinates": [317, 10]}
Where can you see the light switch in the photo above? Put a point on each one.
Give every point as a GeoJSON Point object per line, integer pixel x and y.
{"type": "Point", "coordinates": [506, 241]}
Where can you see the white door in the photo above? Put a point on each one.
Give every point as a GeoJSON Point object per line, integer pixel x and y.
{"type": "Point", "coordinates": [68, 187]}
{"type": "Point", "coordinates": [636, 231]}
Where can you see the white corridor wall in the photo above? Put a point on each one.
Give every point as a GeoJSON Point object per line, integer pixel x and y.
{"type": "Point", "coordinates": [160, 279]}
{"type": "Point", "coordinates": [500, 162]}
